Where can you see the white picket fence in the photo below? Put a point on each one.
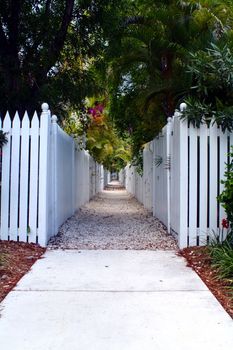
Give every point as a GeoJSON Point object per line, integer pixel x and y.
{"type": "Point", "coordinates": [187, 165]}
{"type": "Point", "coordinates": [45, 178]}
{"type": "Point", "coordinates": [140, 186]}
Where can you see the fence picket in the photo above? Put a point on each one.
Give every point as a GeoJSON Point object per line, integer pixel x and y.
{"type": "Point", "coordinates": [203, 185]}
{"type": "Point", "coordinates": [223, 154]}
{"type": "Point", "coordinates": [192, 186]}
{"type": "Point", "coordinates": [33, 184]}
{"type": "Point", "coordinates": [43, 197]}
{"type": "Point", "coordinates": [5, 184]}
{"type": "Point", "coordinates": [183, 187]}
{"type": "Point", "coordinates": [213, 180]}
{"type": "Point", "coordinates": [14, 181]}
{"type": "Point", "coordinates": [24, 174]}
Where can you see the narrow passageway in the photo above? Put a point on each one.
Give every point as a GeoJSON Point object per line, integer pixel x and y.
{"type": "Point", "coordinates": [113, 220]}
{"type": "Point", "coordinates": [101, 296]}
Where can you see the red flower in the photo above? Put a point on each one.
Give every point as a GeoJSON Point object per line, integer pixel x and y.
{"type": "Point", "coordinates": [225, 223]}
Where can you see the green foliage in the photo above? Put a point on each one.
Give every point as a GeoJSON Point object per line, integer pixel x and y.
{"type": "Point", "coordinates": [221, 254]}
{"type": "Point", "coordinates": [3, 138]}
{"type": "Point", "coordinates": [147, 62]}
{"type": "Point", "coordinates": [226, 197]}
{"type": "Point", "coordinates": [77, 123]}
{"type": "Point", "coordinates": [221, 250]}
{"type": "Point", "coordinates": [102, 140]}
{"type": "Point", "coordinates": [47, 49]}
{"type": "Point", "coordinates": [106, 146]}
{"type": "Point", "coordinates": [212, 90]}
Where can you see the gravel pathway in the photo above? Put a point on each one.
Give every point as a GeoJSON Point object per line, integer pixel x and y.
{"type": "Point", "coordinates": [113, 220]}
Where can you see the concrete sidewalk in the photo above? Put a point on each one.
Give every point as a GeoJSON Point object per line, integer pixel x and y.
{"type": "Point", "coordinates": [113, 300]}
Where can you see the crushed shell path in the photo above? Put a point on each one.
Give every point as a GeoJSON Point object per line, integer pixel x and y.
{"type": "Point", "coordinates": [113, 220]}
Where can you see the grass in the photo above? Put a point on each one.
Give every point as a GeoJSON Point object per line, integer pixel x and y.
{"type": "Point", "coordinates": [221, 254]}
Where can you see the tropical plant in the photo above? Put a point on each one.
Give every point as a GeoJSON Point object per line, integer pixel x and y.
{"type": "Point", "coordinates": [212, 91]}
{"type": "Point", "coordinates": [226, 197]}
{"type": "Point", "coordinates": [147, 74]}
{"type": "Point", "coordinates": [221, 254]}
{"type": "Point", "coordinates": [46, 50]}
{"type": "Point", "coordinates": [102, 140]}
{"type": "Point", "coordinates": [3, 138]}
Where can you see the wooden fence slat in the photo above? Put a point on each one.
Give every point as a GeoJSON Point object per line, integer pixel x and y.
{"type": "Point", "coordinates": [5, 185]}
{"type": "Point", "coordinates": [24, 174]}
{"type": "Point", "coordinates": [33, 183]}
{"type": "Point", "coordinates": [183, 186]}
{"type": "Point", "coordinates": [193, 186]}
{"type": "Point", "coordinates": [45, 126]}
{"type": "Point", "coordinates": [203, 185]}
{"type": "Point", "coordinates": [14, 188]}
{"type": "Point", "coordinates": [213, 181]}
{"type": "Point", "coordinates": [223, 154]}
{"type": "Point", "coordinates": [175, 183]}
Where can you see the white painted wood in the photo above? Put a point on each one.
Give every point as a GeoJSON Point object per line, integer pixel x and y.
{"type": "Point", "coordinates": [172, 186]}
{"type": "Point", "coordinates": [5, 185]}
{"type": "Point", "coordinates": [24, 174]}
{"type": "Point", "coordinates": [213, 181]}
{"type": "Point", "coordinates": [14, 181]}
{"type": "Point", "coordinates": [54, 170]}
{"type": "Point", "coordinates": [222, 168]}
{"type": "Point", "coordinates": [160, 175]}
{"type": "Point", "coordinates": [231, 141]}
{"type": "Point", "coordinates": [168, 170]}
{"type": "Point", "coordinates": [203, 185]}
{"type": "Point", "coordinates": [193, 186]}
{"type": "Point", "coordinates": [183, 188]}
{"type": "Point", "coordinates": [34, 181]}
{"type": "Point", "coordinates": [64, 168]}
{"type": "Point", "coordinates": [175, 176]}
{"type": "Point", "coordinates": [45, 124]}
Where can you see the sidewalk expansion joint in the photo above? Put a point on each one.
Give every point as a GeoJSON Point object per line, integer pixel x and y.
{"type": "Point", "coordinates": [111, 291]}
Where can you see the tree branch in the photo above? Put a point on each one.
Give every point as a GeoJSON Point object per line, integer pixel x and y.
{"type": "Point", "coordinates": [58, 43]}
{"type": "Point", "coordinates": [47, 7]}
{"type": "Point", "coordinates": [13, 24]}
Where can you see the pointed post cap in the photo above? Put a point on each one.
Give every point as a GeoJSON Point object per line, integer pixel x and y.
{"type": "Point", "coordinates": [45, 107]}
{"type": "Point", "coordinates": [54, 118]}
{"type": "Point", "coordinates": [183, 107]}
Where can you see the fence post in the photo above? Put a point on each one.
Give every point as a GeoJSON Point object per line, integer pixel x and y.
{"type": "Point", "coordinates": [183, 186]}
{"type": "Point", "coordinates": [43, 175]}
{"type": "Point", "coordinates": [5, 185]}
{"type": "Point", "coordinates": [168, 172]}
{"type": "Point", "coordinates": [74, 176]}
{"type": "Point", "coordinates": [54, 188]}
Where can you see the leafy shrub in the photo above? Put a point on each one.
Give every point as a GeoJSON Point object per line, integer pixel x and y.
{"type": "Point", "coordinates": [221, 251]}
{"type": "Point", "coordinates": [3, 138]}
{"type": "Point", "coordinates": [226, 197]}
{"type": "Point", "coordinates": [221, 254]}
{"type": "Point", "coordinates": [211, 96]}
